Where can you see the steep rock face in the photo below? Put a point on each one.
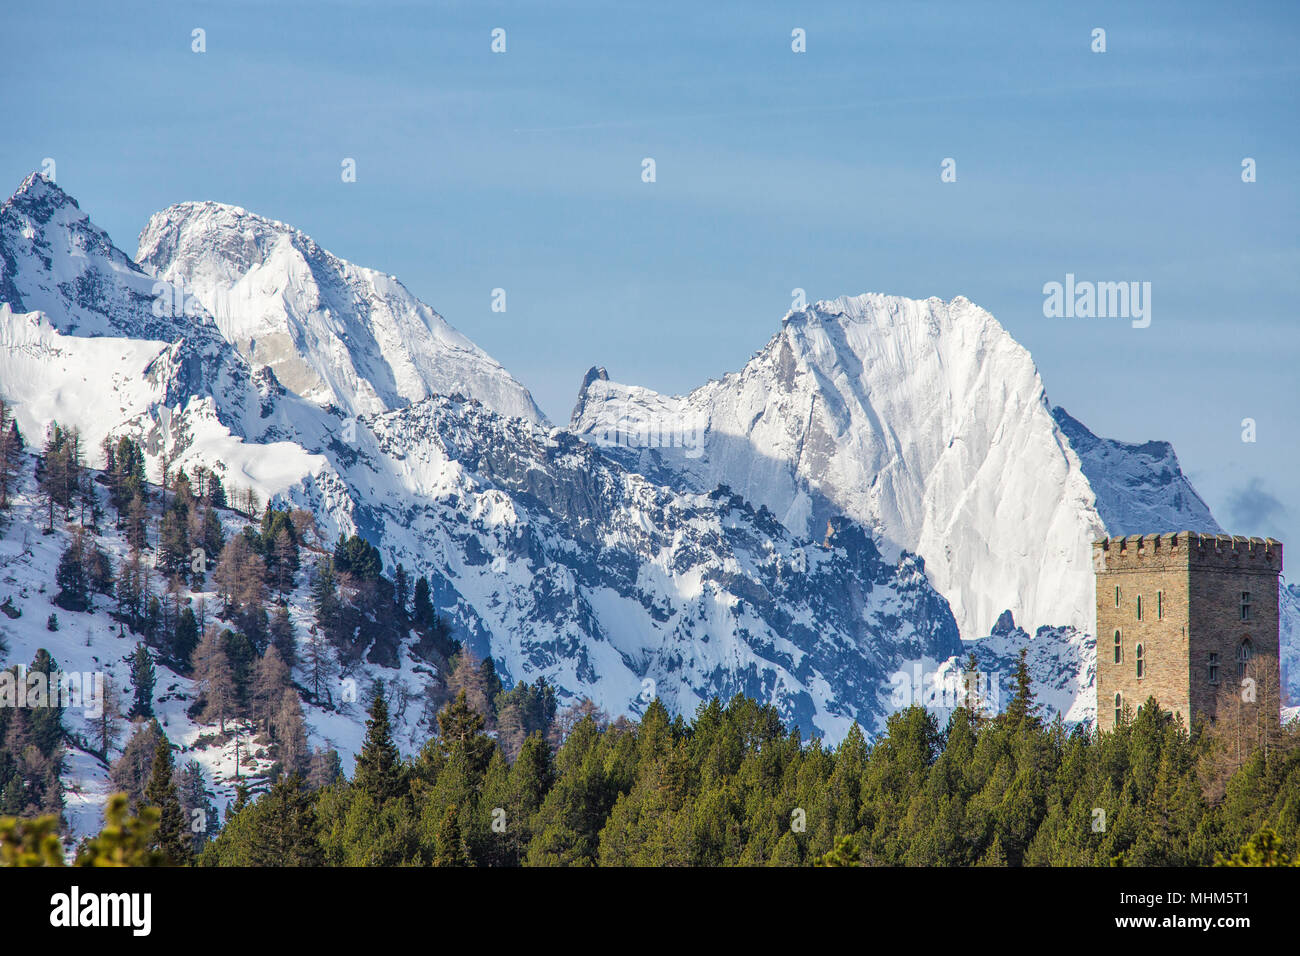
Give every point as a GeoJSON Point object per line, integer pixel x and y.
{"type": "Point", "coordinates": [1139, 488]}
{"type": "Point", "coordinates": [53, 259]}
{"type": "Point", "coordinates": [334, 333]}
{"type": "Point", "coordinates": [82, 323]}
{"type": "Point", "coordinates": [924, 421]}
{"type": "Point", "coordinates": [561, 563]}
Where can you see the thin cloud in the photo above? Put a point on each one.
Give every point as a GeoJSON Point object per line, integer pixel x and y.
{"type": "Point", "coordinates": [1252, 507]}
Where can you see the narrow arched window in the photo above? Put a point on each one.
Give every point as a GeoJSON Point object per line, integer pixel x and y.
{"type": "Point", "coordinates": [1139, 663]}
{"type": "Point", "coordinates": [1245, 651]}
{"type": "Point", "coordinates": [1139, 607]}
{"type": "Point", "coordinates": [1119, 708]}
{"type": "Point", "coordinates": [1119, 649]}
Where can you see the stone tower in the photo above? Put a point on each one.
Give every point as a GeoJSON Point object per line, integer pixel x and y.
{"type": "Point", "coordinates": [1179, 616]}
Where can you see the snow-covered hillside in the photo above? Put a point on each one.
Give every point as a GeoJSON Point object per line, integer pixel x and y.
{"type": "Point", "coordinates": [92, 642]}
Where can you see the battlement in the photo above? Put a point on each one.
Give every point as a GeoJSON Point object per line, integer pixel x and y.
{"type": "Point", "coordinates": [1187, 549]}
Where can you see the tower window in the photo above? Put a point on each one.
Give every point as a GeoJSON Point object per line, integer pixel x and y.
{"type": "Point", "coordinates": [1245, 605]}
{"type": "Point", "coordinates": [1245, 651]}
{"type": "Point", "coordinates": [1119, 649]}
{"type": "Point", "coordinates": [1119, 708]}
{"type": "Point", "coordinates": [1212, 668]}
{"type": "Point", "coordinates": [1139, 607]}
{"type": "Point", "coordinates": [1160, 605]}
{"type": "Point", "coordinates": [1140, 664]}
{"type": "Point", "coordinates": [1117, 595]}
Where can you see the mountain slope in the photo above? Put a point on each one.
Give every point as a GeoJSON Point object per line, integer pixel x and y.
{"type": "Point", "coordinates": [1137, 487]}
{"type": "Point", "coordinates": [333, 332]}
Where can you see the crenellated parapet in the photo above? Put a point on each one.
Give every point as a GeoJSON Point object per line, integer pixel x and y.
{"type": "Point", "coordinates": [1187, 549]}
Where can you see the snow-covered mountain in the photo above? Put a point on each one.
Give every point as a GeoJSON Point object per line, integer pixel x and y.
{"type": "Point", "coordinates": [927, 423]}
{"type": "Point", "coordinates": [333, 332]}
{"type": "Point", "coordinates": [544, 552]}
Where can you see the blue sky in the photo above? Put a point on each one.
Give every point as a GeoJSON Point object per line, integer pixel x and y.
{"type": "Point", "coordinates": [775, 170]}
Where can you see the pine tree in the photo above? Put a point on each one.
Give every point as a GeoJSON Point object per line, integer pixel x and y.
{"type": "Point", "coordinates": [186, 637]}
{"type": "Point", "coordinates": [285, 552]}
{"type": "Point", "coordinates": [47, 721]}
{"type": "Point", "coordinates": [124, 463]}
{"type": "Point", "coordinates": [11, 447]}
{"type": "Point", "coordinates": [173, 542]}
{"type": "Point", "coordinates": [325, 600]}
{"type": "Point", "coordinates": [142, 681]}
{"type": "Point", "coordinates": [461, 727]}
{"type": "Point", "coordinates": [994, 856]}
{"type": "Point", "coordinates": [282, 637]}
{"type": "Point", "coordinates": [357, 557]}
{"type": "Point", "coordinates": [449, 844]}
{"type": "Point", "coordinates": [96, 570]}
{"type": "Point", "coordinates": [211, 537]}
{"type": "Point", "coordinates": [379, 771]}
{"type": "Point", "coordinates": [172, 837]}
{"type": "Point", "coordinates": [401, 596]}
{"type": "Point", "coordinates": [422, 614]}
{"type": "Point", "coordinates": [74, 588]}
{"type": "Point", "coordinates": [130, 591]}
{"type": "Point", "coordinates": [242, 657]}
{"type": "Point", "coordinates": [58, 471]}
{"type": "Point", "coordinates": [30, 842]}
{"type": "Point", "coordinates": [1023, 708]}
{"type": "Point", "coordinates": [278, 830]}
{"type": "Point", "coordinates": [197, 807]}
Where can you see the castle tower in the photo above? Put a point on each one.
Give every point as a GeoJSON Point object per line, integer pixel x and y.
{"type": "Point", "coordinates": [1179, 616]}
